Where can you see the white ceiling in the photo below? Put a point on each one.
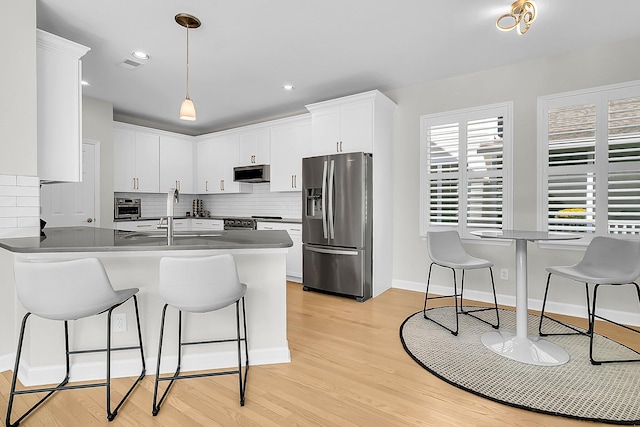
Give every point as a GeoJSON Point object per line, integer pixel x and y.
{"type": "Point", "coordinates": [246, 50]}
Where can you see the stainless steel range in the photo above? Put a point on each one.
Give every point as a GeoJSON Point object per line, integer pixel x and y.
{"type": "Point", "coordinates": [240, 224]}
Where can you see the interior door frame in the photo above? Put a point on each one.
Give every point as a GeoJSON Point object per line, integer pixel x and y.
{"type": "Point", "coordinates": [96, 181]}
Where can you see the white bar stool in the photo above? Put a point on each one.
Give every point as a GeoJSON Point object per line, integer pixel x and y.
{"type": "Point", "coordinates": [70, 290]}
{"type": "Point", "coordinates": [201, 285]}
{"type": "Point", "coordinates": [446, 250]}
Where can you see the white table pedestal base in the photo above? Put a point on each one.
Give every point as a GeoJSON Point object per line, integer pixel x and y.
{"type": "Point", "coordinates": [532, 350]}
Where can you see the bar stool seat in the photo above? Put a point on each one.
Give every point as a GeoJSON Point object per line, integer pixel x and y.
{"type": "Point", "coordinates": [65, 291]}
{"type": "Point", "coordinates": [201, 285]}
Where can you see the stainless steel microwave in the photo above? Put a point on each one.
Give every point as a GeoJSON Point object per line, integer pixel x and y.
{"type": "Point", "coordinates": [126, 208]}
{"type": "Point", "coordinates": [252, 173]}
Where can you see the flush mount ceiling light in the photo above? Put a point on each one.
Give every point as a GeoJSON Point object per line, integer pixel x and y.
{"type": "Point", "coordinates": [140, 55]}
{"type": "Point", "coordinates": [523, 13]}
{"type": "Point", "coordinates": [187, 109]}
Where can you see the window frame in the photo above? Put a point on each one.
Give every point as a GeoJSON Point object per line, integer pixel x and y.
{"type": "Point", "coordinates": [504, 110]}
{"type": "Point", "coordinates": [600, 96]}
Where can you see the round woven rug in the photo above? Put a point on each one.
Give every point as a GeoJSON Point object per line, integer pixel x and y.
{"type": "Point", "coordinates": [607, 393]}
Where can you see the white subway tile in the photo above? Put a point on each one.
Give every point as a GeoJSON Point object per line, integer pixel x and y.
{"type": "Point", "coordinates": [27, 201]}
{"type": "Point", "coordinates": [28, 181]}
{"type": "Point", "coordinates": [7, 201]}
{"type": "Point", "coordinates": [10, 222]}
{"type": "Point", "coordinates": [8, 180]}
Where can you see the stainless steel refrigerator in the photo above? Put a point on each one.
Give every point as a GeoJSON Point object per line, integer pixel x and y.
{"type": "Point", "coordinates": [337, 224]}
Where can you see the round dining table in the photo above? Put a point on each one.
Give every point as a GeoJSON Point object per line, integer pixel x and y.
{"type": "Point", "coordinates": [519, 345]}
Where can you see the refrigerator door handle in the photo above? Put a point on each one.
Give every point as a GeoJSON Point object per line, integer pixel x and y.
{"type": "Point", "coordinates": [324, 200]}
{"type": "Point", "coordinates": [331, 251]}
{"type": "Point", "coordinates": [331, 177]}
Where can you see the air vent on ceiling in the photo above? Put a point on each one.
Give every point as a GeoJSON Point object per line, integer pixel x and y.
{"type": "Point", "coordinates": [130, 64]}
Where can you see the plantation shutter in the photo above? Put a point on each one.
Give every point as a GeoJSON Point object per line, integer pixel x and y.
{"type": "Point", "coordinates": [624, 166]}
{"type": "Point", "coordinates": [592, 154]}
{"type": "Point", "coordinates": [571, 173]}
{"type": "Point", "coordinates": [463, 173]}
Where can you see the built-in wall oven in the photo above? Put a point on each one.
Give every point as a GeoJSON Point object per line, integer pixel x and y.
{"type": "Point", "coordinates": [126, 208]}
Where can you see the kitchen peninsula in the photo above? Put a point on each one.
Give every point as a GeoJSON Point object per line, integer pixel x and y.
{"type": "Point", "coordinates": [131, 259]}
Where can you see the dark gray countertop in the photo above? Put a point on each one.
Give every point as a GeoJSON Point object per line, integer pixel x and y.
{"type": "Point", "coordinates": [89, 239]}
{"type": "Point", "coordinates": [285, 220]}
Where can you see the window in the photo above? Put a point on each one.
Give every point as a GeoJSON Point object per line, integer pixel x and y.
{"type": "Point", "coordinates": [465, 162]}
{"type": "Point", "coordinates": [589, 149]}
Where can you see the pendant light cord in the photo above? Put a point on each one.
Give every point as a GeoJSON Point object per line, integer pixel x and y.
{"type": "Point", "coordinates": [188, 61]}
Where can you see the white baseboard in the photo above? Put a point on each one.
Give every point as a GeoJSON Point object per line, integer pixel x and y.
{"type": "Point", "coordinates": [30, 376]}
{"type": "Point", "coordinates": [7, 361]}
{"type": "Point", "coordinates": [624, 317]}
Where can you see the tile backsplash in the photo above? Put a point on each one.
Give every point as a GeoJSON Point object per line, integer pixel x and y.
{"type": "Point", "coordinates": [259, 202]}
{"type": "Point", "coordinates": [19, 206]}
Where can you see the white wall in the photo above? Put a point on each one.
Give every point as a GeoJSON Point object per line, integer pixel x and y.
{"type": "Point", "coordinates": [18, 105]}
{"type": "Point", "coordinates": [521, 83]}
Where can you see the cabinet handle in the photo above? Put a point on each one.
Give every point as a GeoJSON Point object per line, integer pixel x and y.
{"type": "Point", "coordinates": [295, 181]}
{"type": "Point", "coordinates": [222, 185]}
{"type": "Point", "coordinates": [206, 185]}
{"type": "Point", "coordinates": [268, 228]}
{"type": "Point", "coordinates": [133, 183]}
{"type": "Point", "coordinates": [292, 185]}
{"type": "Point", "coordinates": [143, 225]}
{"type": "Point", "coordinates": [337, 146]}
{"type": "Point", "coordinates": [137, 183]}
{"type": "Point", "coordinates": [341, 146]}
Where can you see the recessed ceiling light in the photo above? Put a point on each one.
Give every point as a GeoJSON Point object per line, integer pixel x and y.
{"type": "Point", "coordinates": [140, 54]}
{"type": "Point", "coordinates": [287, 87]}
{"type": "Point", "coordinates": [84, 83]}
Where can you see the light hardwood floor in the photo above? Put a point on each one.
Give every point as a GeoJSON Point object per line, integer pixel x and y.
{"type": "Point", "coordinates": [348, 368]}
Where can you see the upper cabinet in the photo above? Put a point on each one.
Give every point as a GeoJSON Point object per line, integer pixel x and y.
{"type": "Point", "coordinates": [136, 160]}
{"type": "Point", "coordinates": [254, 147]}
{"type": "Point", "coordinates": [59, 73]}
{"type": "Point", "coordinates": [290, 143]}
{"type": "Point", "coordinates": [350, 124]}
{"type": "Point", "coordinates": [176, 164]}
{"type": "Point", "coordinates": [217, 156]}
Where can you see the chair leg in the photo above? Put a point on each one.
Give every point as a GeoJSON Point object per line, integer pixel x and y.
{"type": "Point", "coordinates": [592, 322]}
{"type": "Point", "coordinates": [242, 380]}
{"type": "Point", "coordinates": [14, 377]}
{"type": "Point", "coordinates": [573, 328]}
{"type": "Point", "coordinates": [156, 403]}
{"type": "Point", "coordinates": [455, 297]}
{"type": "Point", "coordinates": [112, 414]}
{"type": "Point", "coordinates": [495, 301]}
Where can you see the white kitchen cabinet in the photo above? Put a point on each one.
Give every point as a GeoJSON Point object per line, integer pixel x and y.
{"type": "Point", "coordinates": [206, 224]}
{"type": "Point", "coordinates": [216, 158]}
{"type": "Point", "coordinates": [59, 95]}
{"type": "Point", "coordinates": [176, 164]}
{"type": "Point", "coordinates": [294, 255]}
{"type": "Point", "coordinates": [136, 160]}
{"type": "Point", "coordinates": [181, 224]}
{"type": "Point", "coordinates": [290, 143]}
{"type": "Point", "coordinates": [142, 225]}
{"type": "Point", "coordinates": [254, 147]}
{"type": "Point", "coordinates": [348, 124]}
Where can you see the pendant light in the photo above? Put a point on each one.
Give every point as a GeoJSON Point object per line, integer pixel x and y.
{"type": "Point", "coordinates": [187, 109]}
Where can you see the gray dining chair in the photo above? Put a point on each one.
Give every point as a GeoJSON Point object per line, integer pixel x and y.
{"type": "Point", "coordinates": [66, 291]}
{"type": "Point", "coordinates": [201, 285]}
{"type": "Point", "coordinates": [607, 261]}
{"type": "Point", "coordinates": [446, 250]}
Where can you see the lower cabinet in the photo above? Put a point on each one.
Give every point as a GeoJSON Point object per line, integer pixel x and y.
{"type": "Point", "coordinates": [179, 224]}
{"type": "Point", "coordinates": [143, 225]}
{"type": "Point", "coordinates": [206, 224]}
{"type": "Point", "coordinates": [294, 256]}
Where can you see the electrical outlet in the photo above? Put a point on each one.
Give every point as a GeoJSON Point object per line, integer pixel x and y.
{"type": "Point", "coordinates": [119, 322]}
{"type": "Point", "coordinates": [504, 274]}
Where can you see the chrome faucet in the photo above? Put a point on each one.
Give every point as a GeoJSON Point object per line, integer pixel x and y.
{"type": "Point", "coordinates": [173, 196]}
